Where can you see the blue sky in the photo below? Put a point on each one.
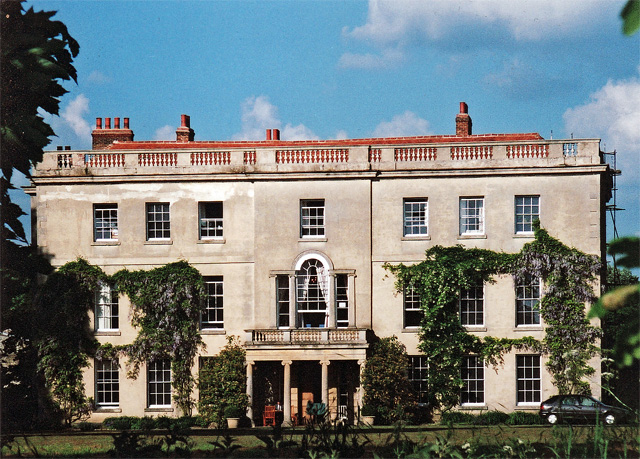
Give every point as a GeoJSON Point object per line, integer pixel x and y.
{"type": "Point", "coordinates": [351, 69]}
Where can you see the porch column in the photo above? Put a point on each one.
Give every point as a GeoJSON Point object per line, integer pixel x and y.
{"type": "Point", "coordinates": [360, 387]}
{"type": "Point", "coordinates": [332, 301]}
{"type": "Point", "coordinates": [325, 382]}
{"type": "Point", "coordinates": [250, 391]}
{"type": "Point", "coordinates": [287, 393]}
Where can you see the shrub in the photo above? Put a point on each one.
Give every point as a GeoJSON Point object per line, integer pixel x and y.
{"type": "Point", "coordinates": [233, 411]}
{"type": "Point", "coordinates": [385, 382]}
{"type": "Point", "coordinates": [456, 417]}
{"type": "Point", "coordinates": [223, 381]}
{"type": "Point", "coordinates": [118, 423]}
{"type": "Point", "coordinates": [523, 418]}
{"type": "Point", "coordinates": [490, 418]}
{"type": "Point", "coordinates": [368, 410]}
{"type": "Point", "coordinates": [85, 426]}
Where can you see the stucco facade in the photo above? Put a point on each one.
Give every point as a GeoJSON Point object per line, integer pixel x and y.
{"type": "Point", "coordinates": [294, 236]}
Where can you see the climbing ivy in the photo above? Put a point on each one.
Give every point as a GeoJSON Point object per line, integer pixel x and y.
{"type": "Point", "coordinates": [65, 340]}
{"type": "Point", "coordinates": [569, 339]}
{"type": "Point", "coordinates": [166, 304]}
{"type": "Point", "coordinates": [568, 275]}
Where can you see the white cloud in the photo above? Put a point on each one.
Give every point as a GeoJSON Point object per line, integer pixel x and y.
{"type": "Point", "coordinates": [98, 77]}
{"type": "Point", "coordinates": [73, 117]}
{"type": "Point", "coordinates": [341, 135]}
{"type": "Point", "coordinates": [407, 124]}
{"type": "Point", "coordinates": [258, 115]}
{"type": "Point", "coordinates": [392, 21]}
{"type": "Point", "coordinates": [165, 133]}
{"type": "Point", "coordinates": [612, 113]}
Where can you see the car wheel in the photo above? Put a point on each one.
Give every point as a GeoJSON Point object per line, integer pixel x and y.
{"type": "Point", "coordinates": [552, 419]}
{"type": "Point", "coordinates": [609, 419]}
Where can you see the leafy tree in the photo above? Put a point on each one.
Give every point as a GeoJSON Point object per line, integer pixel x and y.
{"type": "Point", "coordinates": [36, 56]}
{"type": "Point", "coordinates": [166, 304]}
{"type": "Point", "coordinates": [630, 15]}
{"type": "Point", "coordinates": [222, 382]}
{"type": "Point", "coordinates": [384, 379]}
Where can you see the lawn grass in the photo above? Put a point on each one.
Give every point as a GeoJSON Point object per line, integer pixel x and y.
{"type": "Point", "coordinates": [543, 441]}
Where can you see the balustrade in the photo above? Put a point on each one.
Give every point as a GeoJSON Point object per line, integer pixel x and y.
{"type": "Point", "coordinates": [157, 159]}
{"type": "Point", "coordinates": [312, 156]}
{"type": "Point", "coordinates": [472, 152]}
{"type": "Point", "coordinates": [415, 154]}
{"type": "Point", "coordinates": [308, 336]}
{"type": "Point", "coordinates": [528, 151]}
{"type": "Point", "coordinates": [104, 160]}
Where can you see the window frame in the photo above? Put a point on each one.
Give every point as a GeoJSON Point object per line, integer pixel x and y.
{"type": "Point", "coordinates": [105, 224]}
{"type": "Point", "coordinates": [524, 309]}
{"type": "Point", "coordinates": [528, 387]}
{"type": "Point", "coordinates": [411, 222]}
{"type": "Point", "coordinates": [104, 386]}
{"type": "Point", "coordinates": [106, 312]}
{"type": "Point", "coordinates": [283, 301]}
{"type": "Point", "coordinates": [468, 214]}
{"type": "Point", "coordinates": [151, 223]}
{"type": "Point", "coordinates": [526, 212]}
{"type": "Point", "coordinates": [465, 301]}
{"type": "Point", "coordinates": [341, 282]}
{"type": "Point", "coordinates": [417, 373]}
{"type": "Point", "coordinates": [323, 294]}
{"type": "Point", "coordinates": [204, 221]}
{"type": "Point", "coordinates": [473, 378]}
{"type": "Point", "coordinates": [217, 309]}
{"type": "Point", "coordinates": [166, 369]}
{"type": "Point", "coordinates": [312, 210]}
{"type": "Point", "coordinates": [411, 298]}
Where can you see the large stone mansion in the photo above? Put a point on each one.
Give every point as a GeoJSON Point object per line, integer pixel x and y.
{"type": "Point", "coordinates": [291, 238]}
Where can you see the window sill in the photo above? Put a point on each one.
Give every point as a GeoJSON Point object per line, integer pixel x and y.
{"type": "Point", "coordinates": [212, 241]}
{"type": "Point", "coordinates": [312, 239]}
{"type": "Point", "coordinates": [102, 243]}
{"type": "Point", "coordinates": [213, 331]}
{"type": "Point", "coordinates": [528, 328]}
{"type": "Point", "coordinates": [524, 235]}
{"type": "Point", "coordinates": [410, 329]}
{"type": "Point", "coordinates": [158, 410]}
{"type": "Point", "coordinates": [472, 236]}
{"type": "Point", "coordinates": [416, 238]}
{"type": "Point", "coordinates": [107, 333]}
{"type": "Point", "coordinates": [529, 406]}
{"type": "Point", "coordinates": [475, 328]}
{"type": "Point", "coordinates": [107, 410]}
{"type": "Point", "coordinates": [472, 407]}
{"type": "Point", "coordinates": [159, 242]}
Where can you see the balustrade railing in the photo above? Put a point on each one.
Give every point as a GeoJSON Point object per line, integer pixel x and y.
{"type": "Point", "coordinates": [157, 159]}
{"type": "Point", "coordinates": [210, 158]}
{"type": "Point", "coordinates": [312, 156]}
{"type": "Point", "coordinates": [104, 160]}
{"type": "Point", "coordinates": [415, 154]}
{"type": "Point", "coordinates": [307, 336]}
{"type": "Point", "coordinates": [65, 161]}
{"type": "Point", "coordinates": [528, 151]}
{"type": "Point", "coordinates": [472, 152]}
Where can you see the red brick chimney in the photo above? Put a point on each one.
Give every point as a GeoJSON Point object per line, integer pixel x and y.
{"type": "Point", "coordinates": [463, 121]}
{"type": "Point", "coordinates": [104, 137]}
{"type": "Point", "coordinates": [184, 133]}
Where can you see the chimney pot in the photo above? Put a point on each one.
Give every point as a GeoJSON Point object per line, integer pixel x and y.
{"type": "Point", "coordinates": [463, 121]}
{"type": "Point", "coordinates": [107, 123]}
{"type": "Point", "coordinates": [59, 148]}
{"type": "Point", "coordinates": [98, 123]}
{"type": "Point", "coordinates": [116, 123]}
{"type": "Point", "coordinates": [268, 134]}
{"type": "Point", "coordinates": [126, 123]}
{"type": "Point", "coordinates": [67, 147]}
{"type": "Point", "coordinates": [276, 134]}
{"type": "Point", "coordinates": [185, 121]}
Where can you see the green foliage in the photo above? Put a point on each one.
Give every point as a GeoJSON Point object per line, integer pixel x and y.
{"type": "Point", "coordinates": [37, 53]}
{"type": "Point", "coordinates": [523, 418]}
{"type": "Point", "coordinates": [233, 411]}
{"type": "Point", "coordinates": [385, 381]}
{"type": "Point", "coordinates": [630, 15]}
{"type": "Point", "coordinates": [65, 339]}
{"type": "Point", "coordinates": [568, 276]}
{"type": "Point", "coordinates": [624, 298]}
{"type": "Point", "coordinates": [166, 304]}
{"type": "Point", "coordinates": [456, 417]}
{"type": "Point", "coordinates": [438, 279]}
{"type": "Point", "coordinates": [222, 382]}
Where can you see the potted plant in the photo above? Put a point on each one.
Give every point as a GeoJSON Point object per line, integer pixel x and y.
{"type": "Point", "coordinates": [232, 414]}
{"type": "Point", "coordinates": [367, 415]}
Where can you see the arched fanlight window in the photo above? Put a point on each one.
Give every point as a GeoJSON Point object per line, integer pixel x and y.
{"type": "Point", "coordinates": [312, 294]}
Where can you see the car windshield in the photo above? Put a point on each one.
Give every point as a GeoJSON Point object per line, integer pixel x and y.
{"type": "Point", "coordinates": [586, 401]}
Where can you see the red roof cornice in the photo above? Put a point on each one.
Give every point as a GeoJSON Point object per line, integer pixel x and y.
{"type": "Point", "coordinates": [170, 145]}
